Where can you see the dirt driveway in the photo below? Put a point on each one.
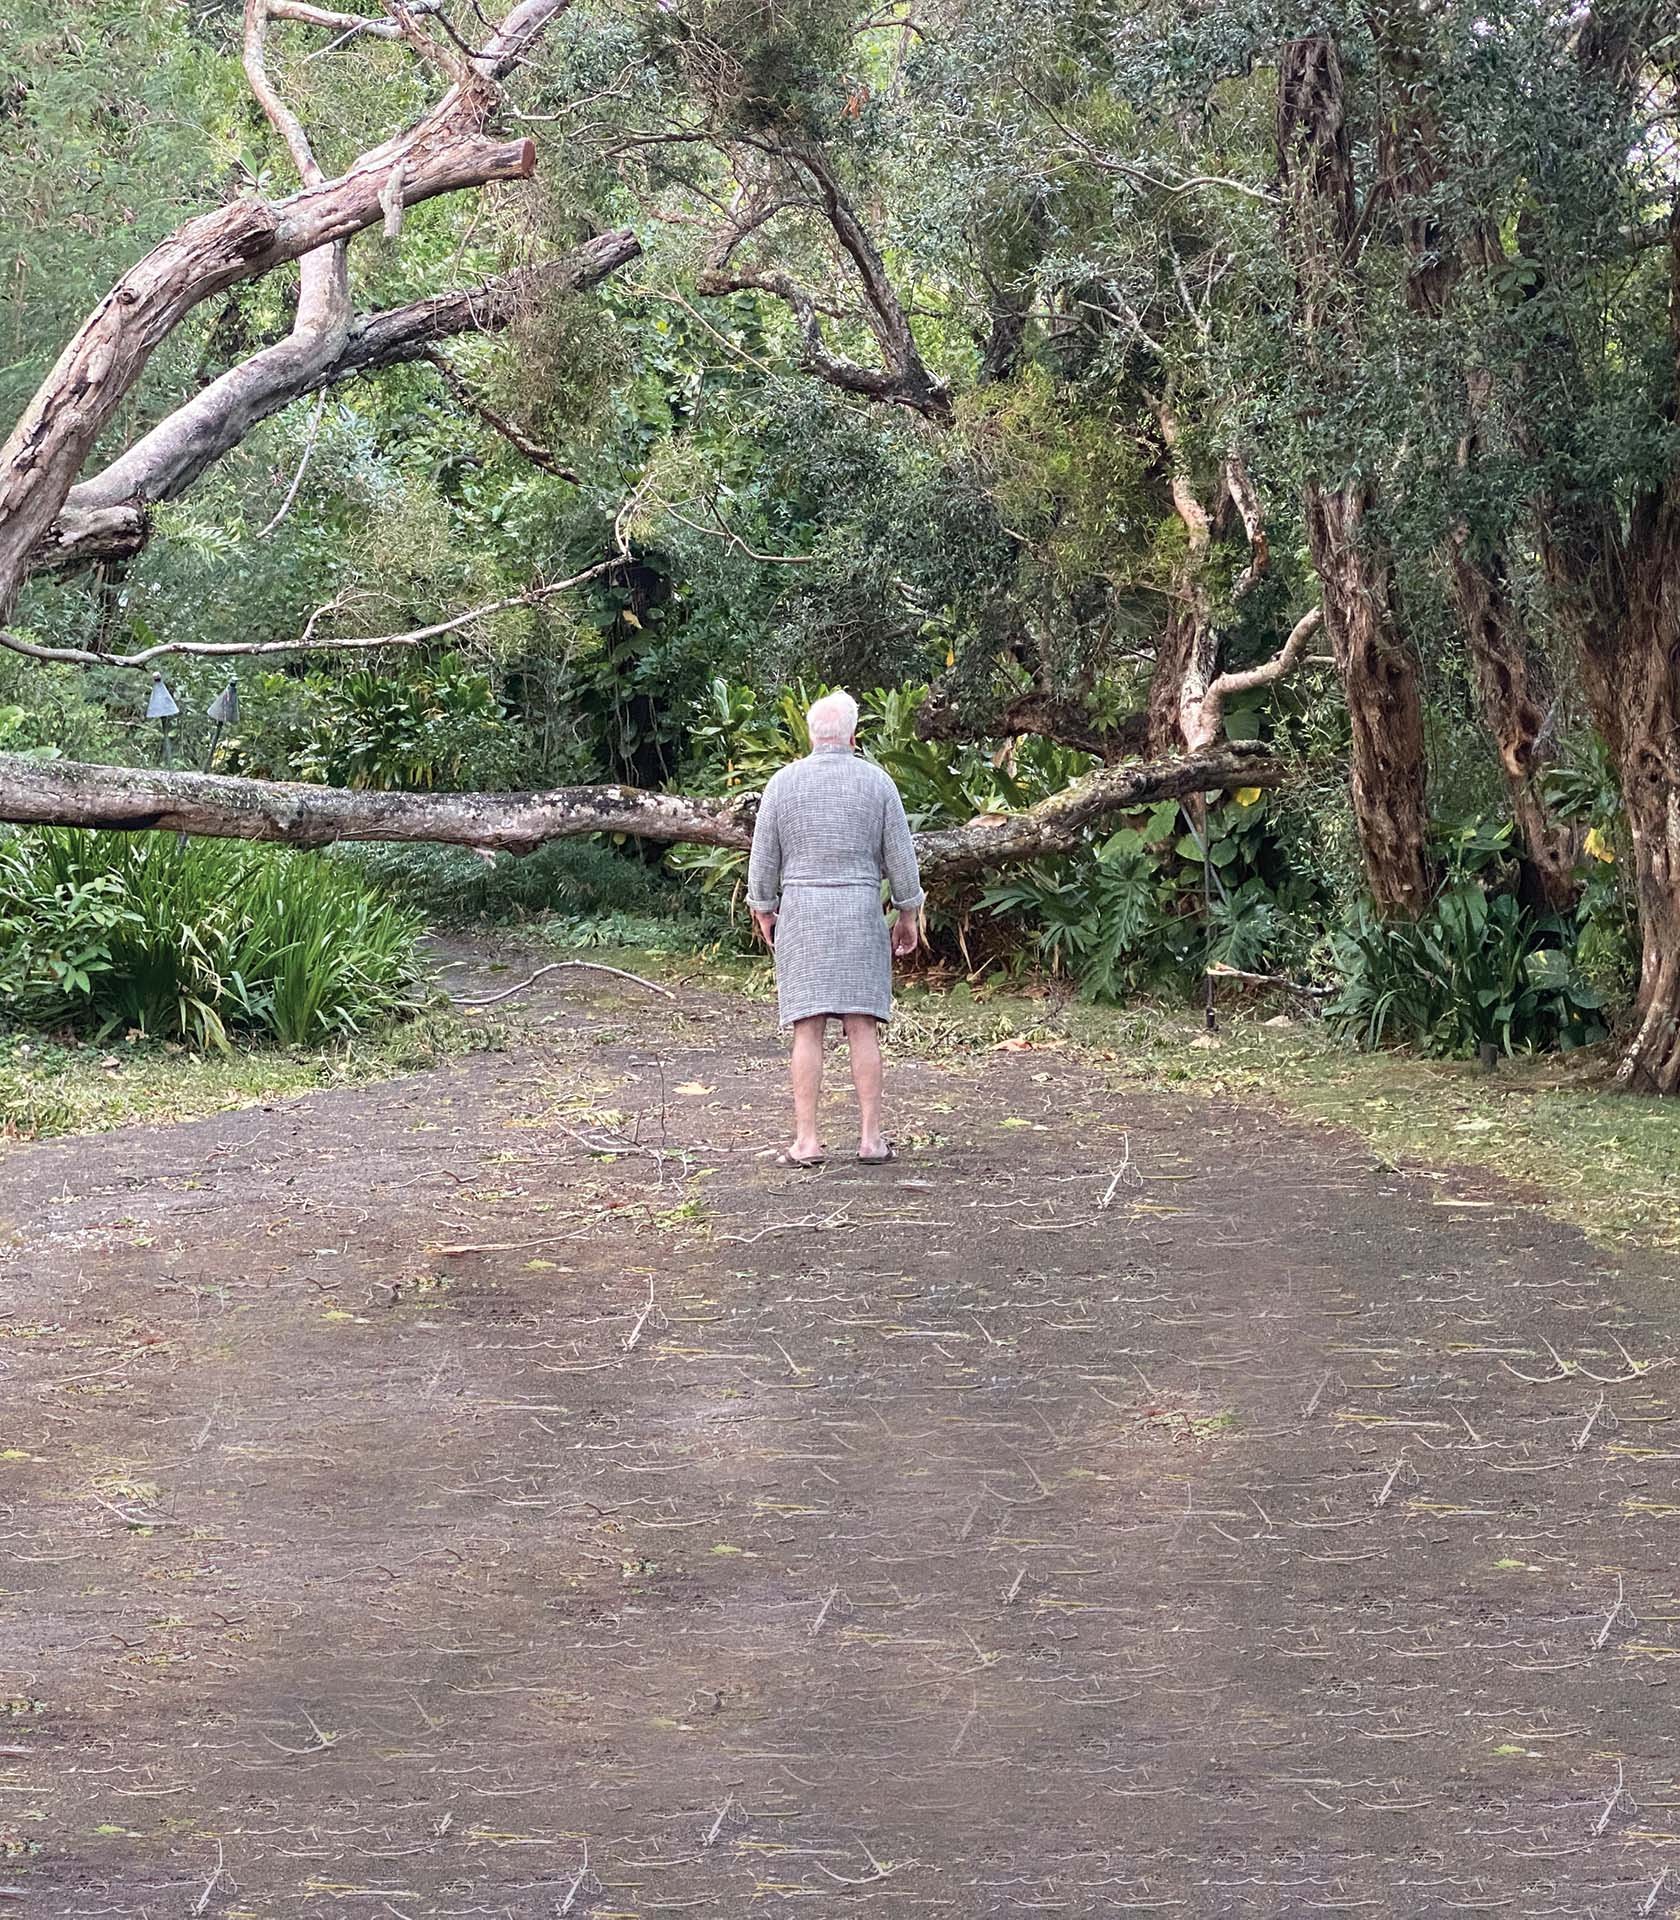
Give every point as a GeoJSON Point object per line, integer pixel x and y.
{"type": "Point", "coordinates": [1118, 1506]}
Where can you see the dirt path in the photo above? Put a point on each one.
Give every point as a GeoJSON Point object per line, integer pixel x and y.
{"type": "Point", "coordinates": [1119, 1506]}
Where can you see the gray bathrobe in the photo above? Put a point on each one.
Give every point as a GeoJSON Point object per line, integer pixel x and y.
{"type": "Point", "coordinates": [829, 828]}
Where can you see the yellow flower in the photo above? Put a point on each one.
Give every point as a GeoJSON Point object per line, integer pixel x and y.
{"type": "Point", "coordinates": [1600, 848]}
{"type": "Point", "coordinates": [1246, 796]}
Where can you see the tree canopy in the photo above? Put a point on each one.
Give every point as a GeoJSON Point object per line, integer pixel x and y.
{"type": "Point", "coordinates": [1133, 380]}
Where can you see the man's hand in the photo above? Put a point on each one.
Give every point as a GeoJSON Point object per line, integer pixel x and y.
{"type": "Point", "coordinates": [907, 931]}
{"type": "Point", "coordinates": [766, 925]}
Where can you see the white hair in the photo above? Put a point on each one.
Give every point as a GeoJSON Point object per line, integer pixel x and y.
{"type": "Point", "coordinates": [833, 719]}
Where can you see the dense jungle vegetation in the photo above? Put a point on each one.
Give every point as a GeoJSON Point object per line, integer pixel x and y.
{"type": "Point", "coordinates": [1292, 390]}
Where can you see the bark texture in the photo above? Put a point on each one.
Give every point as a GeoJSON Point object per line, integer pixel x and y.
{"type": "Point", "coordinates": [1516, 694]}
{"type": "Point", "coordinates": [1615, 585]}
{"type": "Point", "coordinates": [107, 515]}
{"type": "Point", "coordinates": [1379, 674]}
{"type": "Point", "coordinates": [1378, 665]}
{"type": "Point", "coordinates": [446, 149]}
{"type": "Point", "coordinates": [68, 793]}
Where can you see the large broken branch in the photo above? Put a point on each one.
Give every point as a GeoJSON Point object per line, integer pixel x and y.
{"type": "Point", "coordinates": [446, 149]}
{"type": "Point", "coordinates": [139, 799]}
{"type": "Point", "coordinates": [106, 516]}
{"type": "Point", "coordinates": [1060, 824]}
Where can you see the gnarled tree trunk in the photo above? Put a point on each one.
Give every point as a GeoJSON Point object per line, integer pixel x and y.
{"type": "Point", "coordinates": [1379, 674]}
{"type": "Point", "coordinates": [1515, 693]}
{"type": "Point", "coordinates": [1322, 232]}
{"type": "Point", "coordinates": [1634, 683]}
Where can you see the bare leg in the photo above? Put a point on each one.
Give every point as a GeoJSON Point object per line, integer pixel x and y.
{"type": "Point", "coordinates": [808, 1037]}
{"type": "Point", "coordinates": [863, 1038]}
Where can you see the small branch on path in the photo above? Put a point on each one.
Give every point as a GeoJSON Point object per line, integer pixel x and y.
{"type": "Point", "coordinates": [560, 966]}
{"type": "Point", "coordinates": [203, 1900]}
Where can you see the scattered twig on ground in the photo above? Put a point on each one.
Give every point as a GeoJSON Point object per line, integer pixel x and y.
{"type": "Point", "coordinates": [1637, 1369]}
{"type": "Point", "coordinates": [635, 1332]}
{"type": "Point", "coordinates": [1578, 1444]}
{"type": "Point", "coordinates": [16, 1753]}
{"type": "Point", "coordinates": [962, 1731]}
{"type": "Point", "coordinates": [461, 1248]}
{"type": "Point", "coordinates": [1014, 1588]}
{"type": "Point", "coordinates": [811, 1222]}
{"type": "Point", "coordinates": [560, 966]}
{"type": "Point", "coordinates": [1610, 1804]}
{"type": "Point", "coordinates": [1381, 1499]}
{"type": "Point", "coordinates": [717, 1825]}
{"type": "Point", "coordinates": [822, 1611]}
{"type": "Point", "coordinates": [1610, 1617]}
{"type": "Point", "coordinates": [577, 1886]}
{"type": "Point", "coordinates": [323, 1741]}
{"type": "Point", "coordinates": [1317, 1394]}
{"type": "Point", "coordinates": [1125, 1173]}
{"type": "Point", "coordinates": [135, 1520]}
{"type": "Point", "coordinates": [867, 1880]}
{"type": "Point", "coordinates": [1573, 1369]}
{"type": "Point", "coordinates": [203, 1900]}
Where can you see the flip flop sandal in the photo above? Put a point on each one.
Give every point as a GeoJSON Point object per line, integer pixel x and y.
{"type": "Point", "coordinates": [878, 1159]}
{"type": "Point", "coordinates": [799, 1160]}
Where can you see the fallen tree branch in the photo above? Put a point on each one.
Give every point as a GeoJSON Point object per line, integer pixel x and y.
{"type": "Point", "coordinates": [1059, 824]}
{"type": "Point", "coordinates": [145, 799]}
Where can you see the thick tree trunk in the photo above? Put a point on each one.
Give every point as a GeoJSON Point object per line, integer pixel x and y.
{"type": "Point", "coordinates": [1187, 654]}
{"type": "Point", "coordinates": [1515, 693]}
{"type": "Point", "coordinates": [136, 799]}
{"type": "Point", "coordinates": [1380, 676]}
{"type": "Point", "coordinates": [1636, 673]}
{"type": "Point", "coordinates": [1185, 657]}
{"type": "Point", "coordinates": [1323, 235]}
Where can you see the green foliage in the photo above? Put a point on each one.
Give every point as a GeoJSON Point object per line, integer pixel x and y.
{"type": "Point", "coordinates": [1141, 911]}
{"type": "Point", "coordinates": [195, 943]}
{"type": "Point", "coordinates": [1478, 969]}
{"type": "Point", "coordinates": [579, 880]}
{"type": "Point", "coordinates": [433, 723]}
{"type": "Point", "coordinates": [739, 739]}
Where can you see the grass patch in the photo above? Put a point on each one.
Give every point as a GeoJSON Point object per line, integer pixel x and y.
{"type": "Point", "coordinates": [1603, 1160]}
{"type": "Point", "coordinates": [51, 1088]}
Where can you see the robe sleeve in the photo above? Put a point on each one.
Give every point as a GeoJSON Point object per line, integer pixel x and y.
{"type": "Point", "coordinates": [898, 855]}
{"type": "Point", "coordinates": [764, 865]}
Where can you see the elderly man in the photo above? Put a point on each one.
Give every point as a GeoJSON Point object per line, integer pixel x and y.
{"type": "Point", "coordinates": [829, 828]}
